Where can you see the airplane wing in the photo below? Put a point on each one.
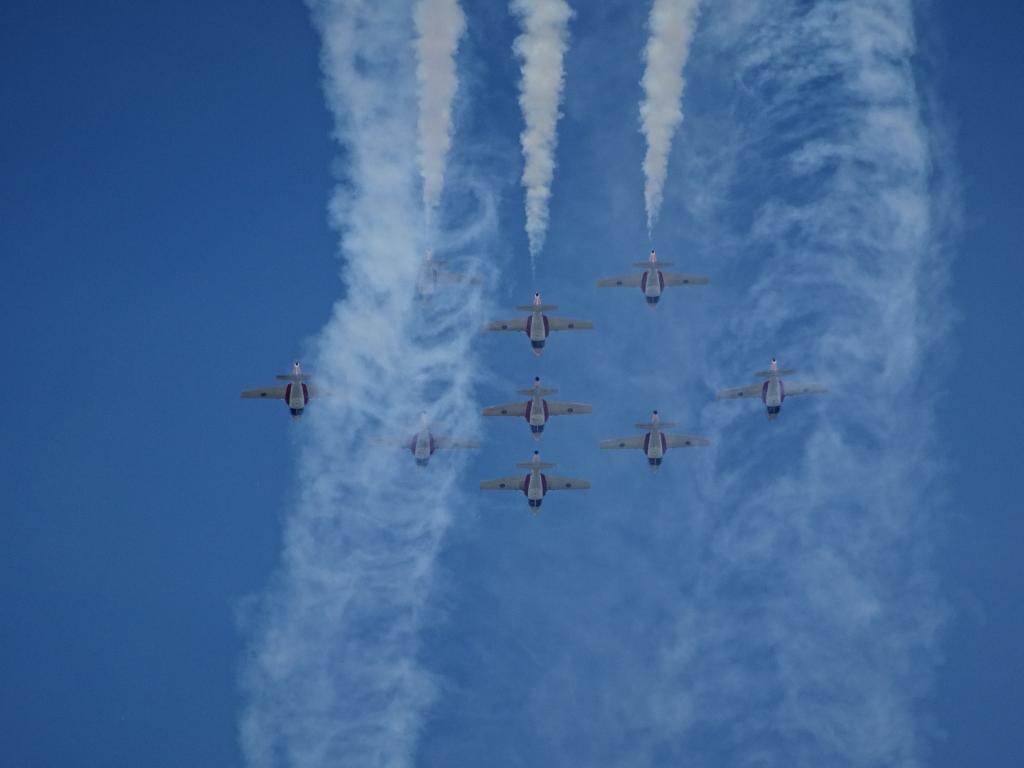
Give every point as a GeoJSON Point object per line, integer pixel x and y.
{"type": "Point", "coordinates": [803, 389]}
{"type": "Point", "coordinates": [685, 441]}
{"type": "Point", "coordinates": [561, 324]}
{"type": "Point", "coordinates": [448, 443]}
{"type": "Point", "coordinates": [624, 442]}
{"type": "Point", "coordinates": [519, 324]}
{"type": "Point", "coordinates": [510, 483]}
{"type": "Point", "coordinates": [565, 409]}
{"type": "Point", "coordinates": [675, 279]}
{"type": "Point", "coordinates": [626, 281]}
{"type": "Point", "coordinates": [751, 390]}
{"type": "Point", "coordinates": [509, 409]}
{"type": "Point", "coordinates": [566, 483]}
{"type": "Point", "coordinates": [268, 393]}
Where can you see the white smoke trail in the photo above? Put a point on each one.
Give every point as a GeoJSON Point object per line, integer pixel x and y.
{"type": "Point", "coordinates": [439, 26]}
{"type": "Point", "coordinates": [779, 605]}
{"type": "Point", "coordinates": [820, 605]}
{"type": "Point", "coordinates": [672, 24]}
{"type": "Point", "coordinates": [332, 676]}
{"type": "Point", "coordinates": [541, 47]}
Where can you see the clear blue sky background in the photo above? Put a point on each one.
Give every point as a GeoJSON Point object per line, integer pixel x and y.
{"type": "Point", "coordinates": [164, 244]}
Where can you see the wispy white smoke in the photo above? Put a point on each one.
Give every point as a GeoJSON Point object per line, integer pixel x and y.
{"type": "Point", "coordinates": [775, 603]}
{"type": "Point", "coordinates": [813, 627]}
{"type": "Point", "coordinates": [439, 25]}
{"type": "Point", "coordinates": [541, 47]}
{"type": "Point", "coordinates": [672, 23]}
{"type": "Point", "coordinates": [332, 677]}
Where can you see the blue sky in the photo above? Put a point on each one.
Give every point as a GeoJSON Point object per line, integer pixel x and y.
{"type": "Point", "coordinates": [166, 243]}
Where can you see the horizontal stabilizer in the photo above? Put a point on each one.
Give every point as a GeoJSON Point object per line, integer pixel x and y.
{"type": "Point", "coordinates": [777, 373]}
{"type": "Point", "coordinates": [538, 465]}
{"type": "Point", "coordinates": [539, 392]}
{"type": "Point", "coordinates": [537, 307]}
{"type": "Point", "coordinates": [652, 425]}
{"type": "Point", "coordinates": [652, 264]}
{"type": "Point", "coordinates": [292, 377]}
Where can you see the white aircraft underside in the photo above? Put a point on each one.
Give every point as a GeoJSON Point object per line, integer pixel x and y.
{"type": "Point", "coordinates": [536, 484]}
{"type": "Point", "coordinates": [537, 410]}
{"type": "Point", "coordinates": [537, 325]}
{"type": "Point", "coordinates": [424, 444]}
{"type": "Point", "coordinates": [771, 390]}
{"type": "Point", "coordinates": [652, 281]}
{"type": "Point", "coordinates": [655, 443]}
{"type": "Point", "coordinates": [296, 393]}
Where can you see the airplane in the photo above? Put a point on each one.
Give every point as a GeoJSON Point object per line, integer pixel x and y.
{"type": "Point", "coordinates": [424, 443]}
{"type": "Point", "coordinates": [537, 410]}
{"type": "Point", "coordinates": [536, 484]}
{"type": "Point", "coordinates": [655, 443]}
{"type": "Point", "coordinates": [652, 281]}
{"type": "Point", "coordinates": [538, 325]}
{"type": "Point", "coordinates": [771, 391]}
{"type": "Point", "coordinates": [297, 397]}
{"type": "Point", "coordinates": [431, 275]}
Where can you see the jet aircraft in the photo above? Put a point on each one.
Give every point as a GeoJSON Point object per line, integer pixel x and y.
{"type": "Point", "coordinates": [432, 275]}
{"type": "Point", "coordinates": [652, 281]}
{"type": "Point", "coordinates": [296, 393]}
{"type": "Point", "coordinates": [537, 410]}
{"type": "Point", "coordinates": [424, 443]}
{"type": "Point", "coordinates": [536, 484]}
{"type": "Point", "coordinates": [655, 443]}
{"type": "Point", "coordinates": [538, 325]}
{"type": "Point", "coordinates": [771, 391]}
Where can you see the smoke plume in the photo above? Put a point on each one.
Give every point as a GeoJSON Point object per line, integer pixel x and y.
{"type": "Point", "coordinates": [541, 47]}
{"type": "Point", "coordinates": [672, 23]}
{"type": "Point", "coordinates": [439, 25]}
{"type": "Point", "coordinates": [332, 677]}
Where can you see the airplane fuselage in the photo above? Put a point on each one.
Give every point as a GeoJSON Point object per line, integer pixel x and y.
{"type": "Point", "coordinates": [772, 394]}
{"type": "Point", "coordinates": [422, 447]}
{"type": "Point", "coordinates": [655, 446]}
{"type": "Point", "coordinates": [537, 415]}
{"type": "Point", "coordinates": [535, 485]}
{"type": "Point", "coordinates": [537, 328]}
{"type": "Point", "coordinates": [296, 394]}
{"type": "Point", "coordinates": [652, 283]}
